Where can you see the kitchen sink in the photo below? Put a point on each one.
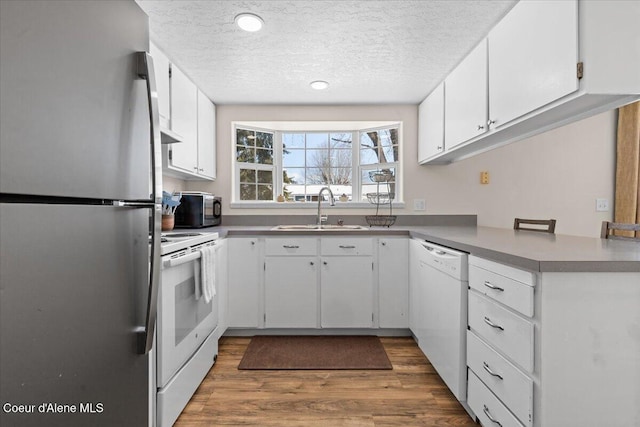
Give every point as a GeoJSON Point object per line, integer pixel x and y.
{"type": "Point", "coordinates": [325, 227]}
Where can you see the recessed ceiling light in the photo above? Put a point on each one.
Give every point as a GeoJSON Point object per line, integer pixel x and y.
{"type": "Point", "coordinates": [249, 22]}
{"type": "Point", "coordinates": [319, 85]}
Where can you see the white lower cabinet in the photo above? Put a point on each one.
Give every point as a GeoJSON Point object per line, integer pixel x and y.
{"type": "Point", "coordinates": [222, 285]}
{"type": "Point", "coordinates": [291, 283]}
{"type": "Point", "coordinates": [393, 282]}
{"type": "Point", "coordinates": [508, 383]}
{"type": "Point", "coordinates": [245, 282]}
{"type": "Point", "coordinates": [346, 292]}
{"type": "Point", "coordinates": [568, 362]}
{"type": "Point", "coordinates": [487, 407]}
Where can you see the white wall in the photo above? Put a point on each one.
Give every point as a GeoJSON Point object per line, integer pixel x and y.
{"type": "Point", "coordinates": [558, 174]}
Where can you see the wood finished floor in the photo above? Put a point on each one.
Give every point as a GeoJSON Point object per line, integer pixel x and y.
{"type": "Point", "coordinates": [411, 394]}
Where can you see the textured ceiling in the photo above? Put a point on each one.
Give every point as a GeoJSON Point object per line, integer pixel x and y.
{"type": "Point", "coordinates": [371, 52]}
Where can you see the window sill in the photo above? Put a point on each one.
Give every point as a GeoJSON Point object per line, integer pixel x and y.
{"type": "Point", "coordinates": [311, 205]}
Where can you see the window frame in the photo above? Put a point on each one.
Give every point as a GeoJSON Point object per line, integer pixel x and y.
{"type": "Point", "coordinates": [277, 166]}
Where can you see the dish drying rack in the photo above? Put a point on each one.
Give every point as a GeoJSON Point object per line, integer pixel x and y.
{"type": "Point", "coordinates": [378, 199]}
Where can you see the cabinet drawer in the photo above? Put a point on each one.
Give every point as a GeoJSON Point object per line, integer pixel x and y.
{"type": "Point", "coordinates": [290, 246]}
{"type": "Point", "coordinates": [489, 410]}
{"type": "Point", "coordinates": [507, 382]}
{"type": "Point", "coordinates": [506, 331]}
{"type": "Point", "coordinates": [506, 290]}
{"type": "Point", "coordinates": [346, 246]}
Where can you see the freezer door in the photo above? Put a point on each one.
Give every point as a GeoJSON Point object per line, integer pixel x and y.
{"type": "Point", "coordinates": [74, 119]}
{"type": "Point", "coordinates": [73, 284]}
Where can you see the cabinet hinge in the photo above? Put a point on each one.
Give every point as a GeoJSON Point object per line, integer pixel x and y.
{"type": "Point", "coordinates": [264, 266]}
{"type": "Point", "coordinates": [169, 70]}
{"type": "Point", "coordinates": [264, 317]}
{"type": "Point", "coordinates": [170, 154]}
{"type": "Point", "coordinates": [372, 267]}
{"type": "Point", "coordinates": [580, 70]}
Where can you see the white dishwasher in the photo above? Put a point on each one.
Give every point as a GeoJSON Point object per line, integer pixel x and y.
{"type": "Point", "coordinates": [442, 318]}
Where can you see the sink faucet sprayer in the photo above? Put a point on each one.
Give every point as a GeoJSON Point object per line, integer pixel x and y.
{"type": "Point", "coordinates": [331, 202]}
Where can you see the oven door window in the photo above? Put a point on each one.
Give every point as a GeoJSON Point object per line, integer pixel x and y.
{"type": "Point", "coordinates": [184, 319]}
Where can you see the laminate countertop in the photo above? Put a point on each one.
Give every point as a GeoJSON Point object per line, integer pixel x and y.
{"type": "Point", "coordinates": [530, 250]}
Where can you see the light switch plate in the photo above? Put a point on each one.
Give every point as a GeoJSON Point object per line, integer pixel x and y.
{"type": "Point", "coordinates": [419, 205]}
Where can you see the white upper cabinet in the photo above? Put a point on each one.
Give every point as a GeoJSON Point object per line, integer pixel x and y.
{"type": "Point", "coordinates": [549, 63]}
{"type": "Point", "coordinates": [465, 104]}
{"type": "Point", "coordinates": [431, 124]}
{"type": "Point", "coordinates": [184, 118]}
{"type": "Point", "coordinates": [533, 54]}
{"type": "Point", "coordinates": [206, 137]}
{"type": "Point", "coordinates": [187, 123]}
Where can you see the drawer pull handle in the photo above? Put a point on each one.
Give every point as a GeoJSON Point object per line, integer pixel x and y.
{"type": "Point", "coordinates": [347, 247]}
{"type": "Point", "coordinates": [488, 414]}
{"type": "Point", "coordinates": [494, 287]}
{"type": "Point", "coordinates": [493, 325]}
{"type": "Point", "coordinates": [488, 369]}
{"type": "Point", "coordinates": [290, 246]}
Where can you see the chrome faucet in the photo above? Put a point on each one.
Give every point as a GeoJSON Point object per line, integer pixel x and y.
{"type": "Point", "coordinates": [331, 202]}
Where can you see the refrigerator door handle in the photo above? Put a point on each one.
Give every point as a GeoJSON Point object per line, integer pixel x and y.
{"type": "Point", "coordinates": [146, 71]}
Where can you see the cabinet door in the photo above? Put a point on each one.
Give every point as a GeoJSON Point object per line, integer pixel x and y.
{"type": "Point", "coordinates": [206, 137]}
{"type": "Point", "coordinates": [393, 283]}
{"type": "Point", "coordinates": [431, 124]}
{"type": "Point", "coordinates": [465, 102]}
{"type": "Point", "coordinates": [414, 284]}
{"type": "Point", "coordinates": [533, 52]}
{"type": "Point", "coordinates": [244, 282]}
{"type": "Point", "coordinates": [346, 292]}
{"type": "Point", "coordinates": [291, 292]}
{"type": "Point", "coordinates": [184, 121]}
{"type": "Point", "coordinates": [161, 68]}
{"type": "Point", "coordinates": [222, 281]}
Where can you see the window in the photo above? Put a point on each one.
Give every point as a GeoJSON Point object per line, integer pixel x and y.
{"type": "Point", "coordinates": [296, 164]}
{"type": "Point", "coordinates": [254, 160]}
{"type": "Point", "coordinates": [311, 161]}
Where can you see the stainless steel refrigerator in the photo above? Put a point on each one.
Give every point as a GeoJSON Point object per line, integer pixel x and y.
{"type": "Point", "coordinates": [80, 190]}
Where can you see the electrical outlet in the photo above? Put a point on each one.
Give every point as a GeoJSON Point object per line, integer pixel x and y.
{"type": "Point", "coordinates": [484, 177]}
{"type": "Point", "coordinates": [419, 205]}
{"type": "Point", "coordinates": [602, 205]}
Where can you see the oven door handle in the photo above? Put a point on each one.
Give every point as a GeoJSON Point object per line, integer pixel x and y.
{"type": "Point", "coordinates": [174, 262]}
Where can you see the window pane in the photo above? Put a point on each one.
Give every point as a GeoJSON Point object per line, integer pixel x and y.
{"type": "Point", "coordinates": [247, 192]}
{"type": "Point", "coordinates": [317, 158]}
{"type": "Point", "coordinates": [245, 137]}
{"type": "Point", "coordinates": [388, 137]}
{"type": "Point", "coordinates": [390, 154]}
{"type": "Point", "coordinates": [340, 158]}
{"type": "Point", "coordinates": [245, 154]}
{"type": "Point", "coordinates": [318, 175]}
{"type": "Point", "coordinates": [293, 176]}
{"type": "Point", "coordinates": [264, 140]}
{"type": "Point", "coordinates": [293, 140]}
{"type": "Point", "coordinates": [368, 156]}
{"type": "Point", "coordinates": [340, 176]}
{"type": "Point", "coordinates": [264, 157]}
{"type": "Point", "coordinates": [317, 140]}
{"type": "Point", "coordinates": [293, 157]}
{"type": "Point", "coordinates": [265, 192]}
{"type": "Point", "coordinates": [341, 140]}
{"type": "Point", "coordinates": [247, 175]}
{"type": "Point", "coordinates": [265, 177]}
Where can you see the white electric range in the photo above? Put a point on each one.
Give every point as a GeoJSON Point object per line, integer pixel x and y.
{"type": "Point", "coordinates": [186, 347]}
